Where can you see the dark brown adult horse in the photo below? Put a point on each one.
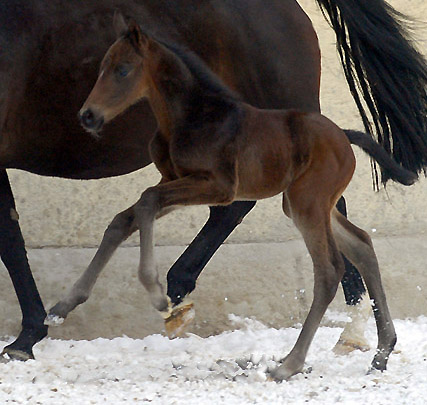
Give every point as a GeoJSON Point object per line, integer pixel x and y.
{"type": "Point", "coordinates": [48, 47]}
{"type": "Point", "coordinates": [213, 149]}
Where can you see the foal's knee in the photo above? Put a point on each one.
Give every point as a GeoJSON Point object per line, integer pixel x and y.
{"type": "Point", "coordinates": [121, 227]}
{"type": "Point", "coordinates": [148, 203]}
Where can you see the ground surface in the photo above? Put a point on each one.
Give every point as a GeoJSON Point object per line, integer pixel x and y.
{"type": "Point", "coordinates": [203, 371]}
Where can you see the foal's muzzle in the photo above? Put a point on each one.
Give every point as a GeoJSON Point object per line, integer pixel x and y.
{"type": "Point", "coordinates": [90, 120]}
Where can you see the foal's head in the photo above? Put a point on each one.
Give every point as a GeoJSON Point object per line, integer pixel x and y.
{"type": "Point", "coordinates": [132, 65]}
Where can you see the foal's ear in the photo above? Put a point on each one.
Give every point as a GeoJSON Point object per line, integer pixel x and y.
{"type": "Point", "coordinates": [138, 38]}
{"type": "Point", "coordinates": [119, 24]}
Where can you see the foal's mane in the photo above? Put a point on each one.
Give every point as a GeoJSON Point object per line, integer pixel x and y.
{"type": "Point", "coordinates": [210, 83]}
{"type": "Point", "coordinates": [208, 80]}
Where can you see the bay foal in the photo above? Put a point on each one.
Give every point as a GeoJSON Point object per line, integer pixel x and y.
{"type": "Point", "coordinates": [213, 149]}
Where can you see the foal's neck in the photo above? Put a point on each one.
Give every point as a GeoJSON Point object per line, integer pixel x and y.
{"type": "Point", "coordinates": [189, 94]}
{"type": "Point", "coordinates": [165, 117]}
{"type": "Point", "coordinates": [169, 109]}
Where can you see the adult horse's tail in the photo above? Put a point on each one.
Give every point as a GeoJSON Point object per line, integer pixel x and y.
{"type": "Point", "coordinates": [384, 70]}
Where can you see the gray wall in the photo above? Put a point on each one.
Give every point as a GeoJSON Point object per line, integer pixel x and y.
{"type": "Point", "coordinates": [69, 216]}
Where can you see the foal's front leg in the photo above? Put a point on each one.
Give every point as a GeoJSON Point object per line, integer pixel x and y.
{"type": "Point", "coordinates": [191, 190]}
{"type": "Point", "coordinates": [122, 226]}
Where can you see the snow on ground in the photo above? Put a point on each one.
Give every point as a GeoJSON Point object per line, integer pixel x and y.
{"type": "Point", "coordinates": [203, 371]}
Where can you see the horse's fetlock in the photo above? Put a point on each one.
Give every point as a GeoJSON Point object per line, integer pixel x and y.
{"type": "Point", "coordinates": [162, 304]}
{"type": "Point", "coordinates": [180, 288]}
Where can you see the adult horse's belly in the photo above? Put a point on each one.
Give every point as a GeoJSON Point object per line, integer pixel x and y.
{"type": "Point", "coordinates": [267, 53]}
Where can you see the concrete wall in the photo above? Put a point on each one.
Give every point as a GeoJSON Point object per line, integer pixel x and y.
{"type": "Point", "coordinates": [71, 215]}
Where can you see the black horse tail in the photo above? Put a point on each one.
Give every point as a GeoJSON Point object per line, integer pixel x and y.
{"type": "Point", "coordinates": [394, 171]}
{"type": "Point", "coordinates": [383, 68]}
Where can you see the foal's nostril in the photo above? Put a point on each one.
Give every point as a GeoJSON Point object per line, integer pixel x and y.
{"type": "Point", "coordinates": [87, 118]}
{"type": "Point", "coordinates": [91, 120]}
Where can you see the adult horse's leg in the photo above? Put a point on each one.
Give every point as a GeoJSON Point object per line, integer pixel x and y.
{"type": "Point", "coordinates": [358, 307]}
{"type": "Point", "coordinates": [222, 221]}
{"type": "Point", "coordinates": [352, 282]}
{"type": "Point", "coordinates": [183, 275]}
{"type": "Point", "coordinates": [14, 257]}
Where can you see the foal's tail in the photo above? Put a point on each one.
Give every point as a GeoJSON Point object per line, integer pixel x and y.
{"type": "Point", "coordinates": [389, 167]}
{"type": "Point", "coordinates": [386, 74]}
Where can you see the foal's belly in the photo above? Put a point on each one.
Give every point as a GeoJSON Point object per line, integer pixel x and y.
{"type": "Point", "coordinates": [263, 177]}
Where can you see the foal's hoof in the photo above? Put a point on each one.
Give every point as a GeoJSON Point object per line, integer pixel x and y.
{"type": "Point", "coordinates": [282, 373]}
{"type": "Point", "coordinates": [179, 318]}
{"type": "Point", "coordinates": [287, 369]}
{"type": "Point", "coordinates": [346, 346]}
{"type": "Point", "coordinates": [54, 320]}
{"type": "Point", "coordinates": [379, 362]}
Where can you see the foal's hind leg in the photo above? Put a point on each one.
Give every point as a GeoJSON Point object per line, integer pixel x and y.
{"type": "Point", "coordinates": [312, 219]}
{"type": "Point", "coordinates": [357, 246]}
{"type": "Point", "coordinates": [122, 226]}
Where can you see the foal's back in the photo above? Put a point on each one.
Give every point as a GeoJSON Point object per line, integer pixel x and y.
{"type": "Point", "coordinates": [276, 147]}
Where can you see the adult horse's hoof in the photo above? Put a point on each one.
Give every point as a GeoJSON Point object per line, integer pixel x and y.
{"type": "Point", "coordinates": [22, 348]}
{"type": "Point", "coordinates": [9, 354]}
{"type": "Point", "coordinates": [177, 321]}
{"type": "Point", "coordinates": [353, 336]}
{"type": "Point", "coordinates": [346, 346]}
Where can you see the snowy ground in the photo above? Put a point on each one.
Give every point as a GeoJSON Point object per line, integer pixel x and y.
{"type": "Point", "coordinates": [203, 371]}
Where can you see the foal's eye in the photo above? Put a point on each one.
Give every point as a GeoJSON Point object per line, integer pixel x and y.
{"type": "Point", "coordinates": [123, 70]}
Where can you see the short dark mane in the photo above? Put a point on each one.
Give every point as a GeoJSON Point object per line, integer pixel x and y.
{"type": "Point", "coordinates": [207, 79]}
